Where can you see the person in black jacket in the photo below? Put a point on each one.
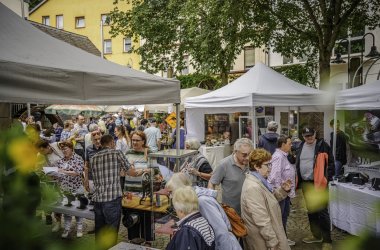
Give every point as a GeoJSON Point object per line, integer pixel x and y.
{"type": "Point", "coordinates": [306, 156]}
{"type": "Point", "coordinates": [194, 231]}
{"type": "Point", "coordinates": [340, 148]}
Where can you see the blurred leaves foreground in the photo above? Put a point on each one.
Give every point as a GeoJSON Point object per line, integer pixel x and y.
{"type": "Point", "coordinates": [21, 194]}
{"type": "Point", "coordinates": [319, 198]}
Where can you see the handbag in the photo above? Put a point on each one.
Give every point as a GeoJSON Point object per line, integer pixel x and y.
{"type": "Point", "coordinates": [237, 223]}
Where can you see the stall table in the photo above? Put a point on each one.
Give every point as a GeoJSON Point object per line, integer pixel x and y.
{"type": "Point", "coordinates": [87, 213]}
{"type": "Point", "coordinates": [144, 228]}
{"type": "Point", "coordinates": [353, 208]}
{"type": "Point", "coordinates": [215, 154]}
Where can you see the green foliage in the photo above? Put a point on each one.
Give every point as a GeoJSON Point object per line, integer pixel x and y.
{"type": "Point", "coordinates": [198, 80]}
{"type": "Point", "coordinates": [33, 3]}
{"type": "Point", "coordinates": [305, 74]}
{"type": "Point", "coordinates": [309, 27]}
{"type": "Point", "coordinates": [210, 32]}
{"type": "Point", "coordinates": [21, 194]}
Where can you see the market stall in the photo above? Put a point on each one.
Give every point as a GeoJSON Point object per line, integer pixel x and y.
{"type": "Point", "coordinates": [260, 86]}
{"type": "Point", "coordinates": [359, 110]}
{"type": "Point", "coordinates": [37, 68]}
{"type": "Point", "coordinates": [353, 207]}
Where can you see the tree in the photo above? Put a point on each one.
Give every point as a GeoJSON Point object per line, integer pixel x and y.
{"type": "Point", "coordinates": [312, 27]}
{"type": "Point", "coordinates": [211, 32]}
{"type": "Point", "coordinates": [33, 3]}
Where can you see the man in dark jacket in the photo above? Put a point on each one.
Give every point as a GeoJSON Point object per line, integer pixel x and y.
{"type": "Point", "coordinates": [268, 141]}
{"type": "Point", "coordinates": [340, 148]}
{"type": "Point", "coordinates": [306, 156]}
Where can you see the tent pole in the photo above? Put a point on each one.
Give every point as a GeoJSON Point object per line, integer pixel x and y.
{"type": "Point", "coordinates": [334, 133]}
{"type": "Point", "coordinates": [288, 120]}
{"type": "Point", "coordinates": [178, 135]}
{"type": "Point", "coordinates": [255, 130]}
{"type": "Point", "coordinates": [28, 108]}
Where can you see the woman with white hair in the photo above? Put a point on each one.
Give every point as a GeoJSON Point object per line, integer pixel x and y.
{"type": "Point", "coordinates": [197, 167]}
{"type": "Point", "coordinates": [194, 232]}
{"type": "Point", "coordinates": [211, 210]}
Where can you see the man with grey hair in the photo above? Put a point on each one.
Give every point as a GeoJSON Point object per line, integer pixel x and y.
{"type": "Point", "coordinates": [268, 141]}
{"type": "Point", "coordinates": [230, 173]}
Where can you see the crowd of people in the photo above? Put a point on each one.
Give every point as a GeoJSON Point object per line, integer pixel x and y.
{"type": "Point", "coordinates": [104, 159]}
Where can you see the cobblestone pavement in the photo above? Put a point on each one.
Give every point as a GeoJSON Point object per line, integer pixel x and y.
{"type": "Point", "coordinates": [298, 228]}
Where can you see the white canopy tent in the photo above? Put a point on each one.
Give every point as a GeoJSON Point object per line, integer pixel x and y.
{"type": "Point", "coordinates": [185, 93]}
{"type": "Point", "coordinates": [37, 68]}
{"type": "Point", "coordinates": [364, 97]}
{"type": "Point", "coordinates": [260, 86]}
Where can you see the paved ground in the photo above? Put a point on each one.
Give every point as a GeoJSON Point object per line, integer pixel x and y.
{"type": "Point", "coordinates": [298, 228]}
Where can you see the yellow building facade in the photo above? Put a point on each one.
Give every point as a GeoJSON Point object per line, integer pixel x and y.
{"type": "Point", "coordinates": [84, 17]}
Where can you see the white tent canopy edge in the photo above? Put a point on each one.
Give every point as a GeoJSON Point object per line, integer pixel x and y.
{"type": "Point", "coordinates": [260, 86]}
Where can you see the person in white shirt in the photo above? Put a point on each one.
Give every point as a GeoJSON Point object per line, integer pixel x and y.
{"type": "Point", "coordinates": [153, 136]}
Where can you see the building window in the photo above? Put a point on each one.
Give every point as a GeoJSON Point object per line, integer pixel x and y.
{"type": "Point", "coordinates": [249, 57]}
{"type": "Point", "coordinates": [107, 46]}
{"type": "Point", "coordinates": [104, 19]}
{"type": "Point", "coordinates": [80, 22]}
{"type": "Point", "coordinates": [59, 21]}
{"type": "Point", "coordinates": [46, 20]}
{"type": "Point", "coordinates": [185, 70]}
{"type": "Point", "coordinates": [127, 44]}
{"type": "Point", "coordinates": [287, 60]}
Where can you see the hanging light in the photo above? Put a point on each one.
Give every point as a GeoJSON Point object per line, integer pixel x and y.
{"type": "Point", "coordinates": [373, 52]}
{"type": "Point", "coordinates": [338, 59]}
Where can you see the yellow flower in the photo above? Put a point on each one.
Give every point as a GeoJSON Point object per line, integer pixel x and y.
{"type": "Point", "coordinates": [23, 154]}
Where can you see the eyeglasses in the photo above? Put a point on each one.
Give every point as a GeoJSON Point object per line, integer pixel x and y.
{"type": "Point", "coordinates": [65, 148]}
{"type": "Point", "coordinates": [134, 140]}
{"type": "Point", "coordinates": [269, 165]}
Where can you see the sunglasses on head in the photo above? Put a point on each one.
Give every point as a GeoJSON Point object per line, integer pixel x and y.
{"type": "Point", "coordinates": [93, 133]}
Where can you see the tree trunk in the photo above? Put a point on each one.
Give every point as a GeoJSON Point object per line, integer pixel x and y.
{"type": "Point", "coordinates": [324, 69]}
{"type": "Point", "coordinates": [224, 77]}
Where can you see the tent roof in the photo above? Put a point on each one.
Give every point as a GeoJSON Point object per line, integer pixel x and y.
{"type": "Point", "coordinates": [259, 86]}
{"type": "Point", "coordinates": [366, 96]}
{"type": "Point", "coordinates": [37, 68]}
{"type": "Point", "coordinates": [185, 93]}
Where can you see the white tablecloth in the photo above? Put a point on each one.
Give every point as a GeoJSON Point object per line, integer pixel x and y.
{"type": "Point", "coordinates": [353, 209]}
{"type": "Point", "coordinates": [215, 154]}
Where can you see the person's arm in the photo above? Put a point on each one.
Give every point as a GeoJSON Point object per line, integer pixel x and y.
{"type": "Point", "coordinates": [274, 177]}
{"type": "Point", "coordinates": [216, 177]}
